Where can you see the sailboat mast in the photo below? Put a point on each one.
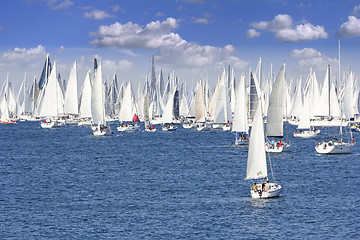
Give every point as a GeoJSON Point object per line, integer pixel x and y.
{"type": "Point", "coordinates": [341, 102]}
{"type": "Point", "coordinates": [329, 91]}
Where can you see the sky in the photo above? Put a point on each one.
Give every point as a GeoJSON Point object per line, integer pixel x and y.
{"type": "Point", "coordinates": [192, 38]}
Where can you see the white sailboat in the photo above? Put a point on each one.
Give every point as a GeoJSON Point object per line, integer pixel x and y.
{"type": "Point", "coordinates": [51, 102]}
{"type": "Point", "coordinates": [71, 108]}
{"type": "Point", "coordinates": [85, 102]}
{"type": "Point", "coordinates": [98, 105]}
{"type": "Point", "coordinates": [305, 130]}
{"type": "Point", "coordinates": [275, 125]}
{"type": "Point", "coordinates": [240, 122]}
{"type": "Point", "coordinates": [148, 126]}
{"type": "Point", "coordinates": [337, 146]}
{"type": "Point", "coordinates": [127, 112]}
{"type": "Point", "coordinates": [256, 162]}
{"type": "Point", "coordinates": [200, 112]}
{"type": "Point", "coordinates": [168, 115]}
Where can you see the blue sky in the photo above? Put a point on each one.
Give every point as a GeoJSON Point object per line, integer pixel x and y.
{"type": "Point", "coordinates": [189, 37]}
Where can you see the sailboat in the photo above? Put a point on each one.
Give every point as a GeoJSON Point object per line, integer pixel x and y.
{"type": "Point", "coordinates": [305, 130]}
{"type": "Point", "coordinates": [200, 111]}
{"type": "Point", "coordinates": [275, 125]}
{"type": "Point", "coordinates": [51, 102]}
{"type": "Point", "coordinates": [257, 163]}
{"type": "Point", "coordinates": [71, 107]}
{"type": "Point", "coordinates": [338, 146]}
{"type": "Point", "coordinates": [127, 115]}
{"type": "Point", "coordinates": [148, 126]}
{"type": "Point", "coordinates": [98, 106]}
{"type": "Point", "coordinates": [240, 121]}
{"type": "Point", "coordinates": [168, 115]}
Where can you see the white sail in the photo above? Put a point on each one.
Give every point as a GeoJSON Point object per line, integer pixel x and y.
{"type": "Point", "coordinates": [127, 108]}
{"type": "Point", "coordinates": [304, 122]}
{"type": "Point", "coordinates": [298, 100]}
{"type": "Point", "coordinates": [240, 122]}
{"type": "Point", "coordinates": [71, 94]}
{"type": "Point", "coordinates": [168, 115]}
{"type": "Point", "coordinates": [85, 98]}
{"type": "Point", "coordinates": [222, 108]}
{"type": "Point", "coordinates": [274, 126]}
{"type": "Point", "coordinates": [52, 101]}
{"type": "Point", "coordinates": [334, 102]}
{"type": "Point", "coordinates": [256, 162]}
{"type": "Point", "coordinates": [97, 98]}
{"type": "Point", "coordinates": [199, 104]}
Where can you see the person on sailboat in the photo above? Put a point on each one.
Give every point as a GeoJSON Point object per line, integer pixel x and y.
{"type": "Point", "coordinates": [254, 187]}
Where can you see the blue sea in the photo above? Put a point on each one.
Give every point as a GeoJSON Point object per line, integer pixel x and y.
{"type": "Point", "coordinates": [67, 184]}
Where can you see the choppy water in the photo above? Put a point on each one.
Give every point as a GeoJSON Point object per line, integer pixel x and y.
{"type": "Point", "coordinates": [67, 184]}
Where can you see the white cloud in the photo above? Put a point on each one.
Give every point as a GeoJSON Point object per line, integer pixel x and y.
{"type": "Point", "coordinates": [59, 5]}
{"type": "Point", "coordinates": [281, 21]}
{"type": "Point", "coordinates": [113, 66]}
{"type": "Point", "coordinates": [190, 54]}
{"type": "Point", "coordinates": [285, 31]}
{"type": "Point", "coordinates": [302, 32]}
{"type": "Point", "coordinates": [351, 28]}
{"type": "Point", "coordinates": [200, 20]}
{"type": "Point", "coordinates": [117, 8]}
{"type": "Point", "coordinates": [160, 35]}
{"type": "Point", "coordinates": [22, 55]}
{"type": "Point", "coordinates": [312, 58]}
{"type": "Point", "coordinates": [252, 33]}
{"type": "Point", "coordinates": [97, 14]}
{"type": "Point", "coordinates": [154, 35]}
{"type": "Point", "coordinates": [355, 12]}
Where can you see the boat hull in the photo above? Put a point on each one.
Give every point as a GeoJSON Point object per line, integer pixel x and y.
{"type": "Point", "coordinates": [270, 190]}
{"type": "Point", "coordinates": [334, 148]}
{"type": "Point", "coordinates": [307, 134]}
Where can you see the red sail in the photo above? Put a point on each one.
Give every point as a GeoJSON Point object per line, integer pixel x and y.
{"type": "Point", "coordinates": [135, 118]}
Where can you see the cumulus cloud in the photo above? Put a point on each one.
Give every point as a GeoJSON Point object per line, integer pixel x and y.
{"type": "Point", "coordinates": [113, 66]}
{"type": "Point", "coordinates": [172, 49]}
{"type": "Point", "coordinates": [355, 12]}
{"type": "Point", "coordinates": [59, 5]}
{"type": "Point", "coordinates": [190, 54]}
{"type": "Point", "coordinates": [97, 14]}
{"type": "Point", "coordinates": [351, 28]}
{"type": "Point", "coordinates": [309, 57]}
{"type": "Point", "coordinates": [117, 8]}
{"type": "Point", "coordinates": [200, 20]}
{"type": "Point", "coordinates": [285, 31]}
{"type": "Point", "coordinates": [304, 53]}
{"type": "Point", "coordinates": [154, 35]}
{"type": "Point", "coordinates": [21, 55]}
{"type": "Point", "coordinates": [252, 33]}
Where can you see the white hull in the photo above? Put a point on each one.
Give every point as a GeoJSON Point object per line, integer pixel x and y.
{"type": "Point", "coordinates": [187, 126]}
{"type": "Point", "coordinates": [269, 191]}
{"type": "Point", "coordinates": [128, 128]}
{"type": "Point", "coordinates": [307, 134]}
{"type": "Point", "coordinates": [326, 123]}
{"type": "Point", "coordinates": [334, 148]}
{"type": "Point", "coordinates": [169, 128]}
{"type": "Point", "coordinates": [226, 128]}
{"type": "Point", "coordinates": [71, 121]}
{"type": "Point", "coordinates": [52, 124]}
{"type": "Point", "coordinates": [102, 133]}
{"type": "Point", "coordinates": [85, 123]}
